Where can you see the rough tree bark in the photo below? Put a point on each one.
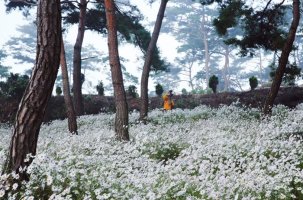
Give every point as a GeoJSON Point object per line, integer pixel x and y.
{"type": "Point", "coordinates": [39, 89]}
{"type": "Point", "coordinates": [121, 118]}
{"type": "Point", "coordinates": [148, 59]}
{"type": "Point", "coordinates": [283, 59]}
{"type": "Point", "coordinates": [77, 85]}
{"type": "Point", "coordinates": [71, 115]}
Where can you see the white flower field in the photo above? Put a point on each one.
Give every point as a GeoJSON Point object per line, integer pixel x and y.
{"type": "Point", "coordinates": [204, 153]}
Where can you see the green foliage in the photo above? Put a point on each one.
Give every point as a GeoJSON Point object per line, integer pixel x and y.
{"type": "Point", "coordinates": [164, 152]}
{"type": "Point", "coordinates": [14, 86]}
{"type": "Point", "coordinates": [292, 72]}
{"type": "Point", "coordinates": [159, 90]}
{"type": "Point", "coordinates": [253, 82]}
{"type": "Point", "coordinates": [257, 31]}
{"type": "Point", "coordinates": [58, 90]}
{"type": "Point", "coordinates": [168, 119]}
{"type": "Point", "coordinates": [132, 91]}
{"type": "Point", "coordinates": [213, 83]}
{"type": "Point", "coordinates": [184, 91]}
{"type": "Point", "coordinates": [186, 104]}
{"type": "Point", "coordinates": [228, 17]}
{"type": "Point", "coordinates": [179, 193]}
{"type": "Point", "coordinates": [100, 88]}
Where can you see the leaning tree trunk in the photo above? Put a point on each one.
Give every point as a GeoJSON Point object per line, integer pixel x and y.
{"type": "Point", "coordinates": [121, 119]}
{"type": "Point", "coordinates": [39, 89]}
{"type": "Point", "coordinates": [71, 115]}
{"type": "Point", "coordinates": [77, 85]}
{"type": "Point", "coordinates": [148, 60]}
{"type": "Point", "coordinates": [283, 59]}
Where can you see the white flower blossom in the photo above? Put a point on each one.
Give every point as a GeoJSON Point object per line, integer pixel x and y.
{"type": "Point", "coordinates": [49, 180]}
{"type": "Point", "coordinates": [218, 153]}
{"type": "Point", "coordinates": [2, 193]}
{"type": "Point", "coordinates": [15, 186]}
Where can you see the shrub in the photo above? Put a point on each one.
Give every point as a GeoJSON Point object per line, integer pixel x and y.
{"type": "Point", "coordinates": [14, 86]}
{"type": "Point", "coordinates": [58, 90]}
{"type": "Point", "coordinates": [159, 90]}
{"type": "Point", "coordinates": [100, 88]}
{"type": "Point", "coordinates": [184, 91]}
{"type": "Point", "coordinates": [132, 91]}
{"type": "Point", "coordinates": [253, 82]}
{"type": "Point", "coordinates": [213, 83]}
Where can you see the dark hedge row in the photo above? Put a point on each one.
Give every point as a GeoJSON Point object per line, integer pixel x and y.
{"type": "Point", "coordinates": [94, 104]}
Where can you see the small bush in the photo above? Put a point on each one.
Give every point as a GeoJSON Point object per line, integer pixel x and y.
{"type": "Point", "coordinates": [213, 83]}
{"type": "Point", "coordinates": [184, 91]}
{"type": "Point", "coordinates": [100, 88]}
{"type": "Point", "coordinates": [58, 90]}
{"type": "Point", "coordinates": [253, 82]}
{"type": "Point", "coordinates": [132, 91]}
{"type": "Point", "coordinates": [159, 90]}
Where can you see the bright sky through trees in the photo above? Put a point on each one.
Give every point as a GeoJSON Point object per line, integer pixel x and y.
{"type": "Point", "coordinates": [167, 44]}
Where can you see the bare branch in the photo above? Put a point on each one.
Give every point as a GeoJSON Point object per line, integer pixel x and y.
{"type": "Point", "coordinates": [89, 57]}
{"type": "Point", "coordinates": [27, 2]}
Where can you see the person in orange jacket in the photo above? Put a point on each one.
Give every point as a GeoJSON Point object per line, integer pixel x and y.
{"type": "Point", "coordinates": [168, 103]}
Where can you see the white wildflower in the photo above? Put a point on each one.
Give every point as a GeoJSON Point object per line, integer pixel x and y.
{"type": "Point", "coordinates": [180, 193]}
{"type": "Point", "coordinates": [30, 198]}
{"type": "Point", "coordinates": [106, 195]}
{"type": "Point", "coordinates": [15, 186]}
{"type": "Point", "coordinates": [29, 169]}
{"type": "Point", "coordinates": [293, 196]}
{"type": "Point", "coordinates": [49, 180]}
{"type": "Point", "coordinates": [282, 196]}
{"type": "Point", "coordinates": [2, 193]}
{"type": "Point", "coordinates": [267, 194]}
{"type": "Point", "coordinates": [236, 197]}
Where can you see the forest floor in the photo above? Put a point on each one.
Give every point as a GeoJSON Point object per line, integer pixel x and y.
{"type": "Point", "coordinates": [228, 152]}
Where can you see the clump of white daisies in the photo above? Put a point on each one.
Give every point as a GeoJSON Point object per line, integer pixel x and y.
{"type": "Point", "coordinates": [204, 153]}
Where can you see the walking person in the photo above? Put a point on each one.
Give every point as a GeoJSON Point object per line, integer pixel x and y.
{"type": "Point", "coordinates": [168, 102]}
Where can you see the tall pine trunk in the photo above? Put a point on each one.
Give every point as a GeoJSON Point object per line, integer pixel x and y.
{"type": "Point", "coordinates": [71, 115]}
{"type": "Point", "coordinates": [148, 60]}
{"type": "Point", "coordinates": [260, 68]}
{"type": "Point", "coordinates": [225, 68]}
{"type": "Point", "coordinates": [206, 49]}
{"type": "Point", "coordinates": [121, 119]}
{"type": "Point", "coordinates": [39, 89]}
{"type": "Point", "coordinates": [283, 59]}
{"type": "Point", "coordinates": [77, 85]}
